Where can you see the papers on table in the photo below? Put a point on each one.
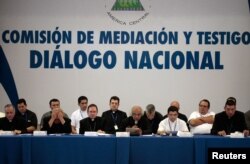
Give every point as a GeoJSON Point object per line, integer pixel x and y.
{"type": "Point", "coordinates": [39, 133]}
{"type": "Point", "coordinates": [7, 133]}
{"type": "Point", "coordinates": [184, 134]}
{"type": "Point", "coordinates": [90, 133]}
{"type": "Point", "coordinates": [122, 134]}
{"type": "Point", "coordinates": [236, 135]}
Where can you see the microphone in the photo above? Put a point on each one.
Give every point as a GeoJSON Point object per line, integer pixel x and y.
{"type": "Point", "coordinates": [136, 122]}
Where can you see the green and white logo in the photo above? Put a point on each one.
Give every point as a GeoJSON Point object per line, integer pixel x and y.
{"type": "Point", "coordinates": [128, 12]}
{"type": "Point", "coordinates": [127, 5]}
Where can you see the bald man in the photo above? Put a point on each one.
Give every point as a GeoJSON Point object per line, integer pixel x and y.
{"type": "Point", "coordinates": [136, 121]}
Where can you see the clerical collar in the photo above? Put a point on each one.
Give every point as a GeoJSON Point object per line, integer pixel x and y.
{"type": "Point", "coordinates": [114, 110]}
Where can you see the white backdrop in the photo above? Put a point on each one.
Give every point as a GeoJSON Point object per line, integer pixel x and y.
{"type": "Point", "coordinates": [133, 86]}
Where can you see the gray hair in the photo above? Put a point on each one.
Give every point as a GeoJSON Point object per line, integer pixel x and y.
{"type": "Point", "coordinates": [135, 107]}
{"type": "Point", "coordinates": [9, 106]}
{"type": "Point", "coordinates": [150, 108]}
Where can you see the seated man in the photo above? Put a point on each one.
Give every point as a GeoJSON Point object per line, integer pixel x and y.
{"type": "Point", "coordinates": [180, 115]}
{"type": "Point", "coordinates": [172, 123]}
{"type": "Point", "coordinates": [12, 123]}
{"type": "Point", "coordinates": [138, 123]}
{"type": "Point", "coordinates": [153, 117]}
{"type": "Point", "coordinates": [230, 120]}
{"type": "Point", "coordinates": [27, 115]}
{"type": "Point", "coordinates": [201, 121]}
{"type": "Point", "coordinates": [53, 103]}
{"type": "Point", "coordinates": [114, 116]}
{"type": "Point", "coordinates": [93, 122]}
{"type": "Point", "coordinates": [79, 114]}
{"type": "Point", "coordinates": [56, 123]}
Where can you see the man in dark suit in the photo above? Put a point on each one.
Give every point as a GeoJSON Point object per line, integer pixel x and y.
{"type": "Point", "coordinates": [93, 122]}
{"type": "Point", "coordinates": [230, 120]}
{"type": "Point", "coordinates": [12, 123]}
{"type": "Point", "coordinates": [137, 124]}
{"type": "Point", "coordinates": [113, 117]}
{"type": "Point", "coordinates": [27, 115]}
{"type": "Point", "coordinates": [153, 117]}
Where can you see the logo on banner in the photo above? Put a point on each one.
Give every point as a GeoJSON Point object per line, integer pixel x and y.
{"type": "Point", "coordinates": [128, 12]}
{"type": "Point", "coordinates": [127, 5]}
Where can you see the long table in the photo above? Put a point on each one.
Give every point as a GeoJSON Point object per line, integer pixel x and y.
{"type": "Point", "coordinates": [113, 150]}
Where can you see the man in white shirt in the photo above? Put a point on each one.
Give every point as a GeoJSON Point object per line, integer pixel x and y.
{"type": "Point", "coordinates": [201, 121]}
{"type": "Point", "coordinates": [79, 114]}
{"type": "Point", "coordinates": [172, 123]}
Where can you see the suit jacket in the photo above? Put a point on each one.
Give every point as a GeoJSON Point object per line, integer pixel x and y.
{"type": "Point", "coordinates": [87, 124]}
{"type": "Point", "coordinates": [230, 125]}
{"type": "Point", "coordinates": [29, 117]}
{"type": "Point", "coordinates": [16, 124]}
{"type": "Point", "coordinates": [111, 119]}
{"type": "Point", "coordinates": [142, 124]}
{"type": "Point", "coordinates": [154, 123]}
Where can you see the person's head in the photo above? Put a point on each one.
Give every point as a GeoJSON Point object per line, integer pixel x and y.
{"type": "Point", "coordinates": [136, 112]}
{"type": "Point", "coordinates": [92, 111]}
{"type": "Point", "coordinates": [22, 105]}
{"type": "Point", "coordinates": [83, 102]}
{"type": "Point", "coordinates": [150, 111]}
{"type": "Point", "coordinates": [204, 106]}
{"type": "Point", "coordinates": [172, 113]}
{"type": "Point", "coordinates": [230, 106]}
{"type": "Point", "coordinates": [114, 103]}
{"type": "Point", "coordinates": [54, 103]}
{"type": "Point", "coordinates": [176, 104]}
{"type": "Point", "coordinates": [9, 110]}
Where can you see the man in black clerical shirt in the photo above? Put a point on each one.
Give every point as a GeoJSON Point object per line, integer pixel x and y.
{"type": "Point", "coordinates": [27, 115]}
{"type": "Point", "coordinates": [138, 123]}
{"type": "Point", "coordinates": [93, 122]}
{"type": "Point", "coordinates": [12, 123]}
{"type": "Point", "coordinates": [113, 117]}
{"type": "Point", "coordinates": [230, 120]}
{"type": "Point", "coordinates": [153, 117]}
